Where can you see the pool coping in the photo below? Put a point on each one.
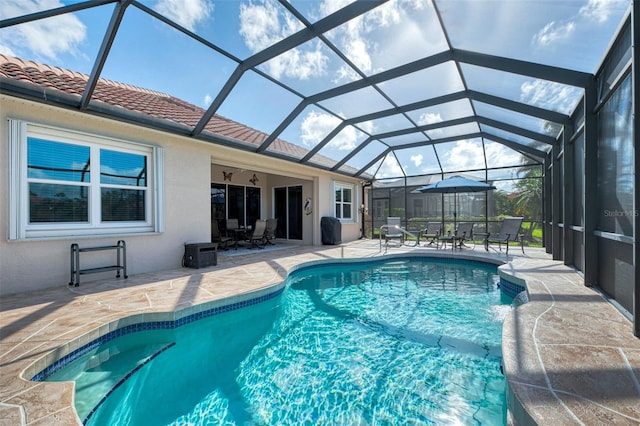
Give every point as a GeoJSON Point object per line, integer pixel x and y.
{"type": "Point", "coordinates": [569, 355]}
{"type": "Point", "coordinates": [62, 356]}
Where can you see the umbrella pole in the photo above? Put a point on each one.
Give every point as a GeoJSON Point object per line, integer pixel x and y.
{"type": "Point", "coordinates": [442, 205]}
{"type": "Point", "coordinates": [455, 211]}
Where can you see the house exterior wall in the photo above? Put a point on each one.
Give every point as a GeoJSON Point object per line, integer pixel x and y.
{"type": "Point", "coordinates": [40, 263]}
{"type": "Point", "coordinates": [350, 229]}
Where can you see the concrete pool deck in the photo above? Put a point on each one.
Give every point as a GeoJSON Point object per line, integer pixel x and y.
{"type": "Point", "coordinates": [569, 356]}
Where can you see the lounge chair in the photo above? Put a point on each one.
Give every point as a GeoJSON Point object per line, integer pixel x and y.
{"type": "Point", "coordinates": [393, 230]}
{"type": "Point", "coordinates": [256, 238]}
{"type": "Point", "coordinates": [464, 232]}
{"type": "Point", "coordinates": [217, 237]}
{"type": "Point", "coordinates": [431, 232]}
{"type": "Point", "coordinates": [270, 233]}
{"type": "Point", "coordinates": [509, 231]}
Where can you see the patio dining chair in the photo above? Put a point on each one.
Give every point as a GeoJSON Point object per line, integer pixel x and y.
{"type": "Point", "coordinates": [393, 230]}
{"type": "Point", "coordinates": [509, 232]}
{"type": "Point", "coordinates": [463, 233]}
{"type": "Point", "coordinates": [217, 237]}
{"type": "Point", "coordinates": [232, 224]}
{"type": "Point", "coordinates": [257, 238]}
{"type": "Point", "coordinates": [270, 233]}
{"type": "Point", "coordinates": [431, 233]}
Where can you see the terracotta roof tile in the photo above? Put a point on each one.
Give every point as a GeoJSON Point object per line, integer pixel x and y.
{"type": "Point", "coordinates": [149, 102]}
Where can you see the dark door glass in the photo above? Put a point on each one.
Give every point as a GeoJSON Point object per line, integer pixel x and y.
{"type": "Point", "coordinates": [280, 211]}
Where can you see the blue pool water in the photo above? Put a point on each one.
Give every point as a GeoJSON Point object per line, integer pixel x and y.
{"type": "Point", "coordinates": [403, 341]}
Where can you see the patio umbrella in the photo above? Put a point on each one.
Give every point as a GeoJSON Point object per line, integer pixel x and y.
{"type": "Point", "coordinates": [455, 185]}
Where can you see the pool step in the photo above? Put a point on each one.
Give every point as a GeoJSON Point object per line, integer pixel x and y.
{"type": "Point", "coordinates": [395, 268]}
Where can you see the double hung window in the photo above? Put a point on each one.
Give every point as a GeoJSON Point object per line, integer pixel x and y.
{"type": "Point", "coordinates": [66, 183]}
{"type": "Point", "coordinates": [344, 201]}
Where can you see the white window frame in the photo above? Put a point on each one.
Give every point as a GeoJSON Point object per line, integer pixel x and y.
{"type": "Point", "coordinates": [342, 186]}
{"type": "Point", "coordinates": [19, 226]}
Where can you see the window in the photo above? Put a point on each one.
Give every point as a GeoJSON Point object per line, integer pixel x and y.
{"type": "Point", "coordinates": [66, 183]}
{"type": "Point", "coordinates": [344, 201]}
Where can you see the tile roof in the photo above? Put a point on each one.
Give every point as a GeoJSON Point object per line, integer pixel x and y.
{"type": "Point", "coordinates": [149, 102]}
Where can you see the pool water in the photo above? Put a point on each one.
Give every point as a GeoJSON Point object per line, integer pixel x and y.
{"type": "Point", "coordinates": [403, 341]}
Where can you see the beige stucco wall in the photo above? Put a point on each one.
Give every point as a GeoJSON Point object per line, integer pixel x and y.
{"type": "Point", "coordinates": [188, 172]}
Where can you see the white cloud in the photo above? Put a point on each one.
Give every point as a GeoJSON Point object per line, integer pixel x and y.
{"type": "Point", "coordinates": [384, 16]}
{"type": "Point", "coordinates": [207, 100]}
{"type": "Point", "coordinates": [499, 154]}
{"type": "Point", "coordinates": [347, 139]}
{"type": "Point", "coordinates": [354, 37]}
{"type": "Point", "coordinates": [356, 50]}
{"type": "Point", "coordinates": [468, 155]}
{"type": "Point", "coordinates": [388, 27]}
{"type": "Point", "coordinates": [261, 25]}
{"type": "Point", "coordinates": [345, 74]}
{"type": "Point", "coordinates": [327, 7]}
{"type": "Point", "coordinates": [464, 155]}
{"type": "Point", "coordinates": [416, 160]}
{"type": "Point", "coordinates": [550, 95]}
{"type": "Point", "coordinates": [315, 126]}
{"type": "Point", "coordinates": [368, 126]}
{"type": "Point", "coordinates": [353, 41]}
{"type": "Point", "coordinates": [187, 13]}
{"type": "Point", "coordinates": [554, 32]}
{"type": "Point", "coordinates": [389, 168]}
{"type": "Point", "coordinates": [429, 118]}
{"type": "Point", "coordinates": [46, 37]}
{"type": "Point", "coordinates": [597, 11]}
{"type": "Point", "coordinates": [600, 10]}
{"type": "Point", "coordinates": [299, 64]}
{"type": "Point", "coordinates": [7, 50]}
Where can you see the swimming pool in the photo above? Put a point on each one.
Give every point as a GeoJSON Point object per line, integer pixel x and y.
{"type": "Point", "coordinates": [380, 342]}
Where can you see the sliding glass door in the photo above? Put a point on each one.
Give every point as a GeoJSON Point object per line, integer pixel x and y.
{"type": "Point", "coordinates": [235, 202]}
{"type": "Point", "coordinates": [252, 205]}
{"type": "Point", "coordinates": [287, 203]}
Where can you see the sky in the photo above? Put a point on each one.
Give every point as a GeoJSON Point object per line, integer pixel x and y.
{"type": "Point", "coordinates": [147, 53]}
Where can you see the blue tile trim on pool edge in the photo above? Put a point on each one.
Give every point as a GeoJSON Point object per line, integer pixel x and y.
{"type": "Point", "coordinates": [144, 326]}
{"type": "Point", "coordinates": [509, 288]}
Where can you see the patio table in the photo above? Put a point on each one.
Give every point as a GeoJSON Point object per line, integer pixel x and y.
{"type": "Point", "coordinates": [238, 235]}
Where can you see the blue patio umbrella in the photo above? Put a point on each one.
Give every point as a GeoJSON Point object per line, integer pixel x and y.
{"type": "Point", "coordinates": [455, 185]}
